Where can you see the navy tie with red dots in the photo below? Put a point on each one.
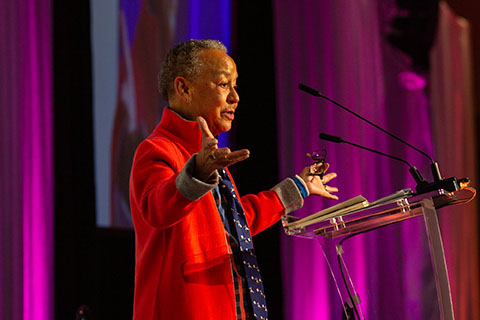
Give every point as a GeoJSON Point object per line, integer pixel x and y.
{"type": "Point", "coordinates": [250, 265]}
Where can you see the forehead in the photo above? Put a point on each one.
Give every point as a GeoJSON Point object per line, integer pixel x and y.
{"type": "Point", "coordinates": [217, 62]}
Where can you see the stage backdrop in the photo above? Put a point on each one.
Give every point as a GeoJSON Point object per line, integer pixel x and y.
{"type": "Point", "coordinates": [453, 118]}
{"type": "Point", "coordinates": [340, 48]}
{"type": "Point", "coordinates": [129, 41]}
{"type": "Point", "coordinates": [26, 160]}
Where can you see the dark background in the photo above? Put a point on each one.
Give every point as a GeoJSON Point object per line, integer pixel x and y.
{"type": "Point", "coordinates": [95, 267]}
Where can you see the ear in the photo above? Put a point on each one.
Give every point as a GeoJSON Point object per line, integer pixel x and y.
{"type": "Point", "coordinates": [182, 89]}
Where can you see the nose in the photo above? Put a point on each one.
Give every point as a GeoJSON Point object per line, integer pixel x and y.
{"type": "Point", "coordinates": [233, 97]}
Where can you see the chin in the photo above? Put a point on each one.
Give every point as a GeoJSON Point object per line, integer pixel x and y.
{"type": "Point", "coordinates": [226, 129]}
{"type": "Point", "coordinates": [222, 128]}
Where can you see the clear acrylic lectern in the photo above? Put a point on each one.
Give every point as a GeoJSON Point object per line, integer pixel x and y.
{"type": "Point", "coordinates": [332, 232]}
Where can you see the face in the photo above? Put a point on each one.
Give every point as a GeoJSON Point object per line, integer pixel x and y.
{"type": "Point", "coordinates": [213, 93]}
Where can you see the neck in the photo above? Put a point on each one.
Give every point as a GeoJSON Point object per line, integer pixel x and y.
{"type": "Point", "coordinates": [183, 110]}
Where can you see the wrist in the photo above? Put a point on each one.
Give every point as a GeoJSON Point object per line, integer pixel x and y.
{"type": "Point", "coordinates": [301, 185]}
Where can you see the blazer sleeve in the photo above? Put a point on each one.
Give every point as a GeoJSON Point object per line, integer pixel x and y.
{"type": "Point", "coordinates": [157, 168]}
{"type": "Point", "coordinates": [267, 207]}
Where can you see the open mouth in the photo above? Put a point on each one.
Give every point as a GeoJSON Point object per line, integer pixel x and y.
{"type": "Point", "coordinates": [229, 115]}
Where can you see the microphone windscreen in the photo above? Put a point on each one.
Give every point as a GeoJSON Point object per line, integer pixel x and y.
{"type": "Point", "coordinates": [330, 138]}
{"type": "Point", "coordinates": [309, 90]}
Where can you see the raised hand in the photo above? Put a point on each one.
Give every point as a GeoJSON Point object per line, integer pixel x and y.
{"type": "Point", "coordinates": [318, 186]}
{"type": "Point", "coordinates": [210, 157]}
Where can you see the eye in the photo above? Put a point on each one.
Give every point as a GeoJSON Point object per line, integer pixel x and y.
{"type": "Point", "coordinates": [224, 84]}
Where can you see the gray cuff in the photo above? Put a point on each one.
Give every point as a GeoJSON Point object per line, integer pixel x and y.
{"type": "Point", "coordinates": [289, 194]}
{"type": "Point", "coordinates": [191, 187]}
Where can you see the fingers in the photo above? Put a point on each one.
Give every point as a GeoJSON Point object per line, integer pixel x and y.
{"type": "Point", "coordinates": [331, 189]}
{"type": "Point", "coordinates": [220, 153]}
{"type": "Point", "coordinates": [326, 165]}
{"type": "Point", "coordinates": [318, 186]}
{"type": "Point", "coordinates": [209, 144]}
{"type": "Point", "coordinates": [326, 178]}
{"type": "Point", "coordinates": [237, 156]}
{"type": "Point", "coordinates": [327, 192]}
{"type": "Point", "coordinates": [224, 157]}
{"type": "Point", "coordinates": [318, 168]}
{"type": "Point", "coordinates": [328, 195]}
{"type": "Point", "coordinates": [210, 157]}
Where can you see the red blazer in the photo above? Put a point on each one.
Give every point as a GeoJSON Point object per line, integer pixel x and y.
{"type": "Point", "coordinates": [182, 256]}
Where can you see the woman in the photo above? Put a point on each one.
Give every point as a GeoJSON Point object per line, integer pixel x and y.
{"type": "Point", "coordinates": [194, 256]}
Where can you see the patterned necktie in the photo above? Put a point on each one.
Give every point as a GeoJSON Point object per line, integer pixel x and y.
{"type": "Point", "coordinates": [244, 238]}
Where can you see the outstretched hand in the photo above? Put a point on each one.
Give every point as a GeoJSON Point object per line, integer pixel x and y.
{"type": "Point", "coordinates": [318, 186]}
{"type": "Point", "coordinates": [210, 157]}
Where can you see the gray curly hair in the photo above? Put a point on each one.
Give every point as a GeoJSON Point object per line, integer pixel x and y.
{"type": "Point", "coordinates": [184, 61]}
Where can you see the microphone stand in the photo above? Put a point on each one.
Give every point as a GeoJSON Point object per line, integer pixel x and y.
{"type": "Point", "coordinates": [423, 186]}
{"type": "Point", "coordinates": [413, 170]}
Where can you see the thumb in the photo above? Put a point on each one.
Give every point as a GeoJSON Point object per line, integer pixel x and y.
{"type": "Point", "coordinates": [202, 123]}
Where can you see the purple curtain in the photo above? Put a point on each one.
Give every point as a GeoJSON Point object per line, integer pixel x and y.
{"type": "Point", "coordinates": [26, 172]}
{"type": "Point", "coordinates": [339, 47]}
{"type": "Point", "coordinates": [456, 141]}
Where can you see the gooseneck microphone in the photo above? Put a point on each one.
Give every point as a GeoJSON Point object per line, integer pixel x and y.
{"type": "Point", "coordinates": [413, 170]}
{"type": "Point", "coordinates": [317, 93]}
{"type": "Point", "coordinates": [450, 184]}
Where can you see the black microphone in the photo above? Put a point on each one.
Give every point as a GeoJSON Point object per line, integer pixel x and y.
{"type": "Point", "coordinates": [413, 170]}
{"type": "Point", "coordinates": [450, 184]}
